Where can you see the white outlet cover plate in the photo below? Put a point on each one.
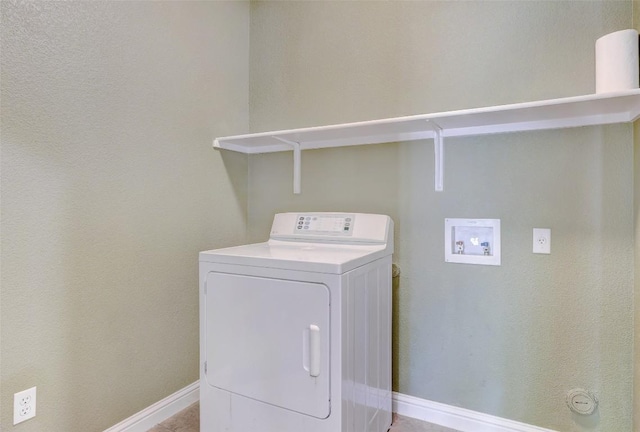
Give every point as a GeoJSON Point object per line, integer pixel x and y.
{"type": "Point", "coordinates": [542, 240]}
{"type": "Point", "coordinates": [24, 405]}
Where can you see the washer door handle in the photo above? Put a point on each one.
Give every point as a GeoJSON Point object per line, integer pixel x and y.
{"type": "Point", "coordinates": [314, 350]}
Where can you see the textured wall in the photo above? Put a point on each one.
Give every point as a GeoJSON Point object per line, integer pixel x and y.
{"type": "Point", "coordinates": [110, 188]}
{"type": "Point", "coordinates": [636, 185]}
{"type": "Point", "coordinates": [508, 340]}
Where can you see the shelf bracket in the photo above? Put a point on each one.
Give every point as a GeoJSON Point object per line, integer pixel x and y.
{"type": "Point", "coordinates": [297, 162]}
{"type": "Point", "coordinates": [438, 148]}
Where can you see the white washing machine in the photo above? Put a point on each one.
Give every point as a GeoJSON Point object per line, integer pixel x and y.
{"type": "Point", "coordinates": [295, 333]}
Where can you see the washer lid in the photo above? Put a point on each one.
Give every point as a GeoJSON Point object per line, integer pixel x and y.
{"type": "Point", "coordinates": [312, 257]}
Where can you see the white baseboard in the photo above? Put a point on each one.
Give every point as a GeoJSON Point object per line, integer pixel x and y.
{"type": "Point", "coordinates": [433, 412]}
{"type": "Point", "coordinates": [457, 418]}
{"type": "Point", "coordinates": [159, 411]}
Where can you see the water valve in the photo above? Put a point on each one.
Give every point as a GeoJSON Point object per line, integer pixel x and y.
{"type": "Point", "coordinates": [485, 248]}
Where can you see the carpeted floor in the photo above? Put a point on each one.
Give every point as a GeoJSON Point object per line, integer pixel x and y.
{"type": "Point", "coordinates": [188, 420]}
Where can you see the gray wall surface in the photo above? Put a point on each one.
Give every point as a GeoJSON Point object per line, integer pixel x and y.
{"type": "Point", "coordinates": [510, 340]}
{"type": "Point", "coordinates": [636, 364]}
{"type": "Point", "coordinates": [636, 188]}
{"type": "Point", "coordinates": [110, 188]}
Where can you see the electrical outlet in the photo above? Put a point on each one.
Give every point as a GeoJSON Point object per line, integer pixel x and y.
{"type": "Point", "coordinates": [24, 405]}
{"type": "Point", "coordinates": [542, 240]}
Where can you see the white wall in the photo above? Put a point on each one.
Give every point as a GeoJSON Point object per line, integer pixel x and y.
{"type": "Point", "coordinates": [110, 188]}
{"type": "Point", "coordinates": [511, 340]}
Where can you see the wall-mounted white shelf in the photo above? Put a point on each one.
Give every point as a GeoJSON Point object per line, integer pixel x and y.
{"type": "Point", "coordinates": [588, 110]}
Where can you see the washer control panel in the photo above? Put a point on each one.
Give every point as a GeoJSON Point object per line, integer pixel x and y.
{"type": "Point", "coordinates": [325, 227]}
{"type": "Point", "coordinates": [334, 224]}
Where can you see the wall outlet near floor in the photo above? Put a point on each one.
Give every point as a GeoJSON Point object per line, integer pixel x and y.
{"type": "Point", "coordinates": [24, 405]}
{"type": "Point", "coordinates": [581, 401]}
{"type": "Point", "coordinates": [542, 240]}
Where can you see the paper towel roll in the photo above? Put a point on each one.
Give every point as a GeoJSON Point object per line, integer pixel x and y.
{"type": "Point", "coordinates": [617, 63]}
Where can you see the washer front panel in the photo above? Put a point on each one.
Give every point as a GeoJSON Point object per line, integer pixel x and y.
{"type": "Point", "coordinates": [268, 339]}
